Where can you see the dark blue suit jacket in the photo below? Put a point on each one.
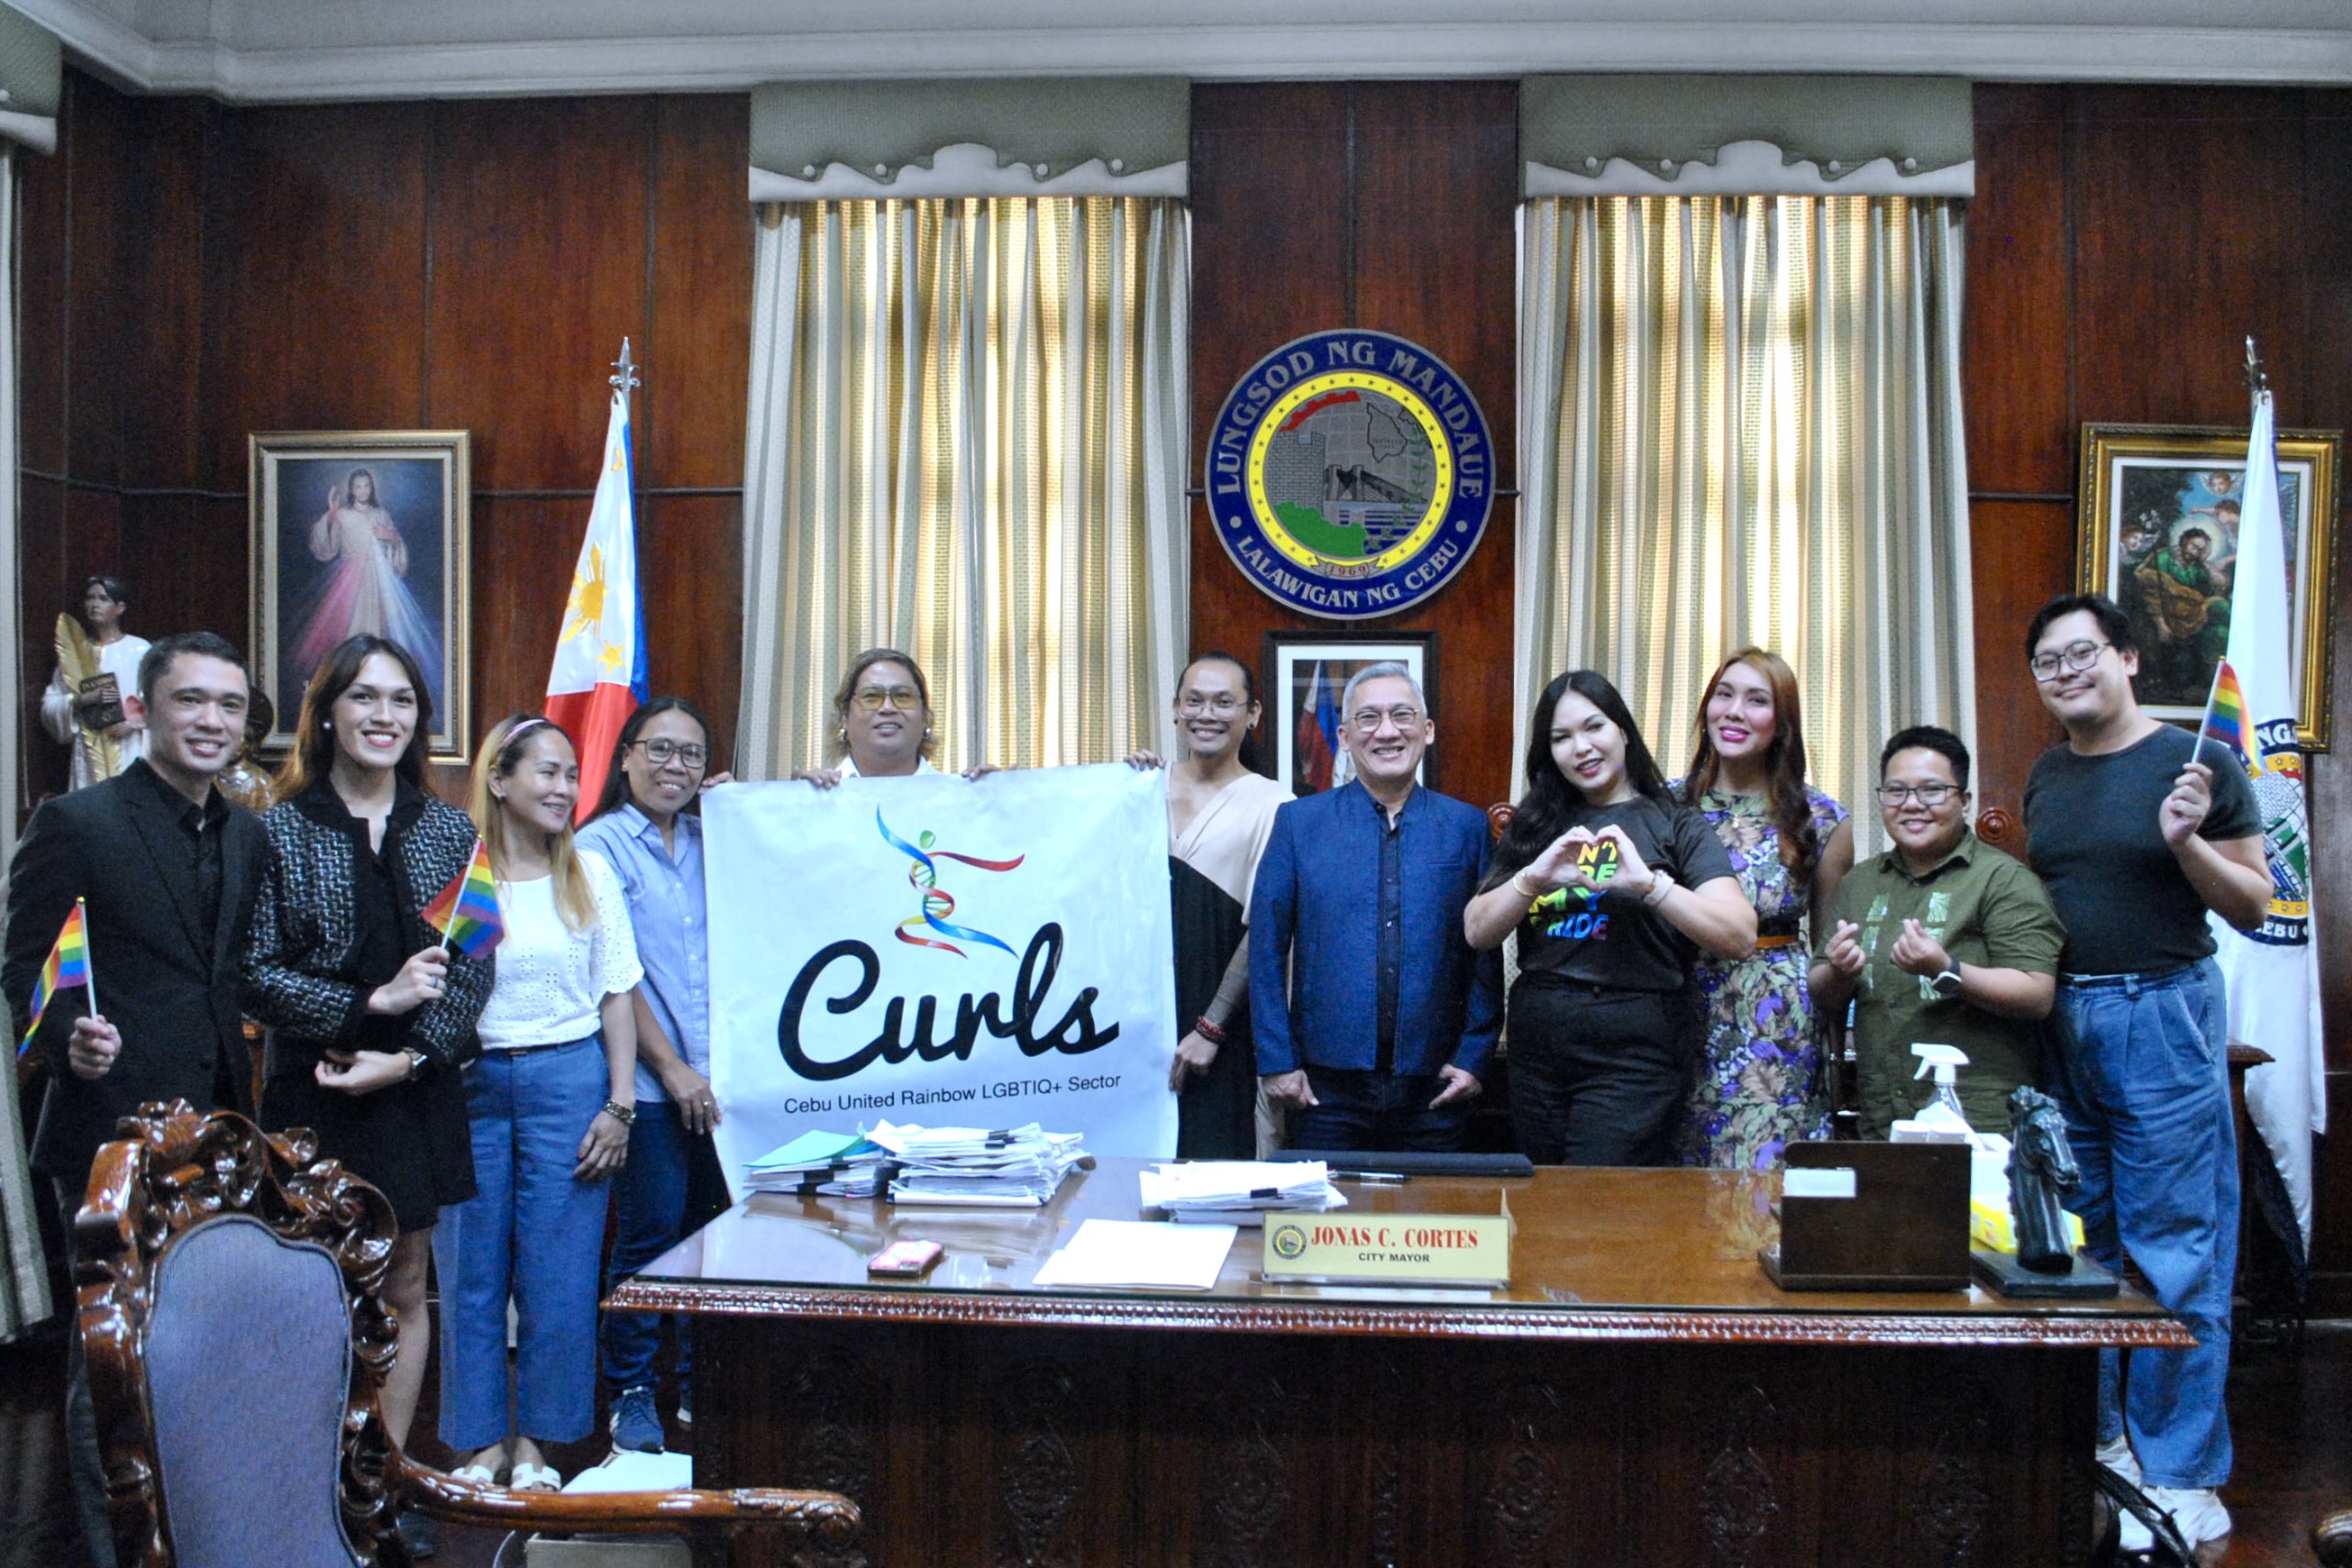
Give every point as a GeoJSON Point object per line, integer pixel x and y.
{"type": "Point", "coordinates": [1315, 913]}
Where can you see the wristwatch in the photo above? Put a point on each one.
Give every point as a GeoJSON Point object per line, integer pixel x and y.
{"type": "Point", "coordinates": [1946, 985]}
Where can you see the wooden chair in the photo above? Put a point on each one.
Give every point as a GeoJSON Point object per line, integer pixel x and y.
{"type": "Point", "coordinates": [232, 1314]}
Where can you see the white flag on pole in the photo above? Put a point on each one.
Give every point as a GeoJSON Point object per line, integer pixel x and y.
{"type": "Point", "coordinates": [2273, 973]}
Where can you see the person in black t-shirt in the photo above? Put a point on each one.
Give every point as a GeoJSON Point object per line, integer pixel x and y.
{"type": "Point", "coordinates": [2138, 829]}
{"type": "Point", "coordinates": [1611, 885]}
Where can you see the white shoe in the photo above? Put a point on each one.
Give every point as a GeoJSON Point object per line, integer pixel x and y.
{"type": "Point", "coordinates": [2197, 1512]}
{"type": "Point", "coordinates": [2116, 1454]}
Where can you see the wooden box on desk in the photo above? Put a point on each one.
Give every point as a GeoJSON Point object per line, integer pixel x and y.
{"type": "Point", "coordinates": [1873, 1216]}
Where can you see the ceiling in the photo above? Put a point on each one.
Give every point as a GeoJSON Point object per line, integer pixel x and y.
{"type": "Point", "coordinates": [322, 50]}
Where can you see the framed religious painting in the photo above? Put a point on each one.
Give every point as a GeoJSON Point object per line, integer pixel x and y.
{"type": "Point", "coordinates": [2159, 536]}
{"type": "Point", "coordinates": [1305, 682]}
{"type": "Point", "coordinates": [362, 532]}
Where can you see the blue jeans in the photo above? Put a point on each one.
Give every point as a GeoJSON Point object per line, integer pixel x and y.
{"type": "Point", "coordinates": [532, 1233]}
{"type": "Point", "coordinates": [1376, 1111]}
{"type": "Point", "coordinates": [2141, 1072]}
{"type": "Point", "coordinates": [652, 1193]}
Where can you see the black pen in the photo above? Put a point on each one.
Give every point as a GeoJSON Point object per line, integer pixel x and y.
{"type": "Point", "coordinates": [1396, 1177]}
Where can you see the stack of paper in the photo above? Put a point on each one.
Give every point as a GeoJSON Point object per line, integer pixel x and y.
{"type": "Point", "coordinates": [1140, 1254]}
{"type": "Point", "coordinates": [1018, 1167]}
{"type": "Point", "coordinates": [837, 1164]}
{"type": "Point", "coordinates": [1239, 1192]}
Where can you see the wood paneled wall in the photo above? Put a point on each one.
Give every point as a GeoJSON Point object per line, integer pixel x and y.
{"type": "Point", "coordinates": [2123, 243]}
{"type": "Point", "coordinates": [193, 273]}
{"type": "Point", "coordinates": [1387, 206]}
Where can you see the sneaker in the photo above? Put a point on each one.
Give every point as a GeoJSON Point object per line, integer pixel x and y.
{"type": "Point", "coordinates": [2197, 1512]}
{"type": "Point", "coordinates": [2116, 1454]}
{"type": "Point", "coordinates": [419, 1535]}
{"type": "Point", "coordinates": [685, 1409]}
{"type": "Point", "coordinates": [635, 1424]}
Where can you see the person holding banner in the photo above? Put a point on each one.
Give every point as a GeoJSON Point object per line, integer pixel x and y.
{"type": "Point", "coordinates": [2138, 829]}
{"type": "Point", "coordinates": [166, 871]}
{"type": "Point", "coordinates": [551, 1101]}
{"type": "Point", "coordinates": [372, 1018]}
{"type": "Point", "coordinates": [648, 828]}
{"type": "Point", "coordinates": [1390, 1017]}
{"type": "Point", "coordinates": [1220, 816]}
{"type": "Point", "coordinates": [1611, 883]}
{"type": "Point", "coordinates": [882, 722]}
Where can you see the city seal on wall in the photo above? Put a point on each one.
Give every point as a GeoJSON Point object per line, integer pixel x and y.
{"type": "Point", "coordinates": [1350, 474]}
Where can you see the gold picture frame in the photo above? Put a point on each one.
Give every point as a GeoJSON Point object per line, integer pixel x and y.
{"type": "Point", "coordinates": [329, 561]}
{"type": "Point", "coordinates": [2146, 490]}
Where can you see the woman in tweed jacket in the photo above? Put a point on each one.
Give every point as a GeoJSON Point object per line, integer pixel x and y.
{"type": "Point", "coordinates": [370, 1018]}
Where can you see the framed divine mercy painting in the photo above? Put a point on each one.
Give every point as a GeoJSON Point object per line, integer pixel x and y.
{"type": "Point", "coordinates": [362, 532]}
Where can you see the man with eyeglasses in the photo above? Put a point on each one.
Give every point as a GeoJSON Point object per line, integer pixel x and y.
{"type": "Point", "coordinates": [2138, 831]}
{"type": "Point", "coordinates": [1389, 1016]}
{"type": "Point", "coordinates": [1941, 938]}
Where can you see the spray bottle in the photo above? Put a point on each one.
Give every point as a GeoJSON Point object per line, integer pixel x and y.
{"type": "Point", "coordinates": [1942, 1120]}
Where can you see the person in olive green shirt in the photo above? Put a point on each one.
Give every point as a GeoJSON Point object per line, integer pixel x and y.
{"type": "Point", "coordinates": [1941, 939]}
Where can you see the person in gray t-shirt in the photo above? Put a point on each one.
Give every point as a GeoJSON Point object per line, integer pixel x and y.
{"type": "Point", "coordinates": [2137, 834]}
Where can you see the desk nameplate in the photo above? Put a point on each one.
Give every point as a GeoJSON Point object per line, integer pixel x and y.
{"type": "Point", "coordinates": [1391, 1250]}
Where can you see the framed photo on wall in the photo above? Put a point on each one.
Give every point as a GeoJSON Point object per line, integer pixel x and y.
{"type": "Point", "coordinates": [2158, 531]}
{"type": "Point", "coordinates": [362, 532]}
{"type": "Point", "coordinates": [1306, 674]}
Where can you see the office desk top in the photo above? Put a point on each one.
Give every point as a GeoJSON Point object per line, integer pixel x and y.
{"type": "Point", "coordinates": [1599, 1255]}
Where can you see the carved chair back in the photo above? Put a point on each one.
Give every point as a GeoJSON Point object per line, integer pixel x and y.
{"type": "Point", "coordinates": [237, 1337]}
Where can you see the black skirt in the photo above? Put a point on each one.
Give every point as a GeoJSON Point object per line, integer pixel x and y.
{"type": "Point", "coordinates": [410, 1142]}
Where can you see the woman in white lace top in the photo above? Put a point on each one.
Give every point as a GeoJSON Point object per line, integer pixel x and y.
{"type": "Point", "coordinates": [550, 1103]}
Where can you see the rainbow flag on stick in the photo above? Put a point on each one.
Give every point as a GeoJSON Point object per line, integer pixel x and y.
{"type": "Point", "coordinates": [2225, 719]}
{"type": "Point", "coordinates": [466, 912]}
{"type": "Point", "coordinates": [67, 966]}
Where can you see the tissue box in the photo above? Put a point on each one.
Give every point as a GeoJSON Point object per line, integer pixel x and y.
{"type": "Point", "coordinates": [1991, 1227]}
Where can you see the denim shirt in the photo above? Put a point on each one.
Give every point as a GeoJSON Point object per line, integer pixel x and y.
{"type": "Point", "coordinates": [1318, 911]}
{"type": "Point", "coordinates": [666, 905]}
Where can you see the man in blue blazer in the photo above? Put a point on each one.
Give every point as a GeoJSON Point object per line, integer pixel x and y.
{"type": "Point", "coordinates": [1389, 1016]}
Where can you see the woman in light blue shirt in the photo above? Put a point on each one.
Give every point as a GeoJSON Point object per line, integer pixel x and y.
{"type": "Point", "coordinates": [648, 828]}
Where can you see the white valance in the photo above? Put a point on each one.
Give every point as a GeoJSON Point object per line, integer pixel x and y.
{"type": "Point", "coordinates": [1747, 136]}
{"type": "Point", "coordinates": [1749, 169]}
{"type": "Point", "coordinates": [1000, 137]}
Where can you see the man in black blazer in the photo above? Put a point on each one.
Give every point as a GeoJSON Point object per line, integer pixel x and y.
{"type": "Point", "coordinates": [167, 869]}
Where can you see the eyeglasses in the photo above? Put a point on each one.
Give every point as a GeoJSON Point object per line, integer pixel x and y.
{"type": "Point", "coordinates": [1223, 703]}
{"type": "Point", "coordinates": [1368, 718]}
{"type": "Point", "coordinates": [871, 698]}
{"type": "Point", "coordinates": [661, 751]}
{"type": "Point", "coordinates": [1930, 795]}
{"type": "Point", "coordinates": [2076, 655]}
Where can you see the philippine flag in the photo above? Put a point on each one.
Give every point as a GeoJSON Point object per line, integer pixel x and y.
{"type": "Point", "coordinates": [600, 657]}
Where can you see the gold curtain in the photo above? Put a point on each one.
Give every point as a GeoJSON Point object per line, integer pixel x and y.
{"type": "Point", "coordinates": [1742, 424]}
{"type": "Point", "coordinates": [967, 440]}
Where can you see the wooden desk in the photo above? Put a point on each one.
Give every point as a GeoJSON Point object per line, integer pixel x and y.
{"type": "Point", "coordinates": [1642, 1393]}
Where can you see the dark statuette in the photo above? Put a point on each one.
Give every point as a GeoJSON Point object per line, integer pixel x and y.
{"type": "Point", "coordinates": [2041, 1171]}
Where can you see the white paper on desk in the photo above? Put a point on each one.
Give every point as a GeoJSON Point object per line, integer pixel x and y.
{"type": "Point", "coordinates": [1145, 1254]}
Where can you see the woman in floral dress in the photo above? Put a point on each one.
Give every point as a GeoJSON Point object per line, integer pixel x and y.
{"type": "Point", "coordinates": [1762, 1080]}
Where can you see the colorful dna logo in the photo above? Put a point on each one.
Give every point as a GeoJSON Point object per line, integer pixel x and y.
{"type": "Point", "coordinates": [937, 903]}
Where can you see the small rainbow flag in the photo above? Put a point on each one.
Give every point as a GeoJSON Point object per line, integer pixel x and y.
{"type": "Point", "coordinates": [466, 912]}
{"type": "Point", "coordinates": [67, 966]}
{"type": "Point", "coordinates": [2225, 718]}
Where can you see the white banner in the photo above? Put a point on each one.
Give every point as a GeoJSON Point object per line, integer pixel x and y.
{"type": "Point", "coordinates": [942, 952]}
